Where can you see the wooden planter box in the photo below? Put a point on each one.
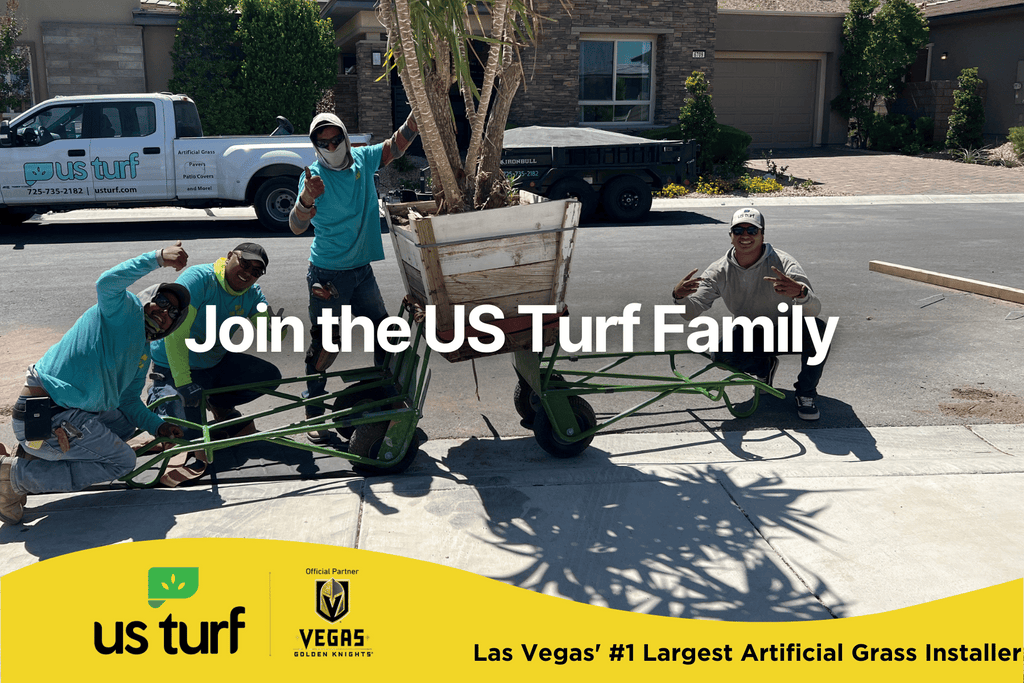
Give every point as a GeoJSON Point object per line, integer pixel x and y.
{"type": "Point", "coordinates": [508, 257]}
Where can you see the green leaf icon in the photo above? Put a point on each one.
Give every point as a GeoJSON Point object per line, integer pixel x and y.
{"type": "Point", "coordinates": [172, 583]}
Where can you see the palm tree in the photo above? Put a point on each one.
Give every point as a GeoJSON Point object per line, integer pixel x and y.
{"type": "Point", "coordinates": [431, 43]}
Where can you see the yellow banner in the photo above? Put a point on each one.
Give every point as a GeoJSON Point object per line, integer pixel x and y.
{"type": "Point", "coordinates": [227, 609]}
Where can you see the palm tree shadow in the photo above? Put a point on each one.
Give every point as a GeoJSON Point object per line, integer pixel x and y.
{"type": "Point", "coordinates": [83, 521]}
{"type": "Point", "coordinates": [666, 540]}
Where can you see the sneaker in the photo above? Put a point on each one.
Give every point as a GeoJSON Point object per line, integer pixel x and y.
{"type": "Point", "coordinates": [805, 408]}
{"type": "Point", "coordinates": [12, 503]}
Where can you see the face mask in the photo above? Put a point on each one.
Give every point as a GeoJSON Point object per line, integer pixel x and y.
{"type": "Point", "coordinates": [338, 160]}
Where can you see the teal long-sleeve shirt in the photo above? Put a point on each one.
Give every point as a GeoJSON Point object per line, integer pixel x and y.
{"type": "Point", "coordinates": [207, 287]}
{"type": "Point", "coordinates": [101, 363]}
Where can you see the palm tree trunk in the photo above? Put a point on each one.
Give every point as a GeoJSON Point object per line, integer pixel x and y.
{"type": "Point", "coordinates": [441, 169]}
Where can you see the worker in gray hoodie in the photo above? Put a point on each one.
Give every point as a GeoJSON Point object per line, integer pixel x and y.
{"type": "Point", "coordinates": [753, 279]}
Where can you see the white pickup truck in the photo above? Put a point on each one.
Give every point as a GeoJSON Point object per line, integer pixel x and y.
{"type": "Point", "coordinates": [143, 150]}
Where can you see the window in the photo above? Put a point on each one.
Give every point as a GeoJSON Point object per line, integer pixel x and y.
{"type": "Point", "coordinates": [615, 81]}
{"type": "Point", "coordinates": [61, 122]}
{"type": "Point", "coordinates": [127, 120]}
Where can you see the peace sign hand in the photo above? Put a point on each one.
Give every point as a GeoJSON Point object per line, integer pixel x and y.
{"type": "Point", "coordinates": [785, 285]}
{"type": "Point", "coordinates": [688, 285]}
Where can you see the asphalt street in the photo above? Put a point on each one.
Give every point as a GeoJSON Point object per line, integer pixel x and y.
{"type": "Point", "coordinates": [902, 351]}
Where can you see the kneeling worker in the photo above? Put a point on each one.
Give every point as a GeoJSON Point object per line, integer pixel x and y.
{"type": "Point", "coordinates": [753, 279]}
{"type": "Point", "coordinates": [82, 400]}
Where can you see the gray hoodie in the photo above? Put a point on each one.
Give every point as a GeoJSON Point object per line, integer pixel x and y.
{"type": "Point", "coordinates": [745, 292]}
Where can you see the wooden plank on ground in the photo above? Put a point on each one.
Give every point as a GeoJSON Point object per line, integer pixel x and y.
{"type": "Point", "coordinates": [962, 284]}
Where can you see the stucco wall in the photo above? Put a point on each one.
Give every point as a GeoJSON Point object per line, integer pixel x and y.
{"type": "Point", "coordinates": [33, 13]}
{"type": "Point", "coordinates": [551, 93]}
{"type": "Point", "coordinates": [992, 42]}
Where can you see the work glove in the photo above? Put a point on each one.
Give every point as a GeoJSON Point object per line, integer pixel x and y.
{"type": "Point", "coordinates": [191, 394]}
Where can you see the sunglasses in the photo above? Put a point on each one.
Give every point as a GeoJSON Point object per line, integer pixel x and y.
{"type": "Point", "coordinates": [325, 143]}
{"type": "Point", "coordinates": [163, 302]}
{"type": "Point", "coordinates": [252, 268]}
{"type": "Point", "coordinates": [749, 229]}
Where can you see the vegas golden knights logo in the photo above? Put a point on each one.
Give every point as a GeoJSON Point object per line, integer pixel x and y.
{"type": "Point", "coordinates": [332, 599]}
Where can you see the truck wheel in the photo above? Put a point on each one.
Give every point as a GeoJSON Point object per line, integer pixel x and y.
{"type": "Point", "coordinates": [626, 198]}
{"type": "Point", "coordinates": [581, 190]}
{"type": "Point", "coordinates": [274, 201]}
{"type": "Point", "coordinates": [11, 217]}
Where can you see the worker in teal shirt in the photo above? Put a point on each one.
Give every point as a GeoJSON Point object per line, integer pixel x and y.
{"type": "Point", "coordinates": [226, 288]}
{"type": "Point", "coordinates": [338, 197]}
{"type": "Point", "coordinates": [82, 400]}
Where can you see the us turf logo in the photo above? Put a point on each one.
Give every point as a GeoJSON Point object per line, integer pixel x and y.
{"type": "Point", "coordinates": [206, 637]}
{"type": "Point", "coordinates": [332, 599]}
{"type": "Point", "coordinates": [172, 583]}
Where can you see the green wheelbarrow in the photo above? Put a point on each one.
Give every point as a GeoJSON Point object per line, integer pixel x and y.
{"type": "Point", "coordinates": [550, 392]}
{"type": "Point", "coordinates": [377, 411]}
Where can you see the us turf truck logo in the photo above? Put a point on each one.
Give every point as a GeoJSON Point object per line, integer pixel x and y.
{"type": "Point", "coordinates": [119, 169]}
{"type": "Point", "coordinates": [172, 583]}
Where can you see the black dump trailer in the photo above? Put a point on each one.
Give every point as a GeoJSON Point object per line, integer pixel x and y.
{"type": "Point", "coordinates": [600, 168]}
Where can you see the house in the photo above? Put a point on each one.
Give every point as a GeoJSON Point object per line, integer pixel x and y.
{"type": "Point", "coordinates": [986, 34]}
{"type": "Point", "coordinates": [615, 64]}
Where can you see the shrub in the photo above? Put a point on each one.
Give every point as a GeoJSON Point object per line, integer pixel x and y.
{"type": "Point", "coordinates": [896, 133]}
{"type": "Point", "coordinates": [729, 150]}
{"type": "Point", "coordinates": [967, 121]}
{"type": "Point", "coordinates": [713, 185]}
{"type": "Point", "coordinates": [290, 59]}
{"type": "Point", "coordinates": [1016, 137]}
{"type": "Point", "coordinates": [671, 190]}
{"type": "Point", "coordinates": [206, 60]}
{"type": "Point", "coordinates": [697, 119]}
{"type": "Point", "coordinates": [14, 84]}
{"type": "Point", "coordinates": [925, 126]}
{"type": "Point", "coordinates": [758, 184]}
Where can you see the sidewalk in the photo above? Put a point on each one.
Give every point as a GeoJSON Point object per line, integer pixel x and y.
{"type": "Point", "coordinates": [739, 526]}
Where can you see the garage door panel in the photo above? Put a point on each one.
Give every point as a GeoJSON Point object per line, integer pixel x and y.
{"type": "Point", "coordinates": [773, 100]}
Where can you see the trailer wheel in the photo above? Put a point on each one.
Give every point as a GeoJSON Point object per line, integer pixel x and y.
{"type": "Point", "coordinates": [626, 198]}
{"type": "Point", "coordinates": [553, 443]}
{"type": "Point", "coordinates": [368, 442]}
{"type": "Point", "coordinates": [274, 201]}
{"type": "Point", "coordinates": [581, 190]}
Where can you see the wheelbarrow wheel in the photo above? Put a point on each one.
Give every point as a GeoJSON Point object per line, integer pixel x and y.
{"type": "Point", "coordinates": [526, 401]}
{"type": "Point", "coordinates": [368, 442]}
{"type": "Point", "coordinates": [355, 399]}
{"type": "Point", "coordinates": [555, 444]}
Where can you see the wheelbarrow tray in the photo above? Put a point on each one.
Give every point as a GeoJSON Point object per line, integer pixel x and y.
{"type": "Point", "coordinates": [507, 257]}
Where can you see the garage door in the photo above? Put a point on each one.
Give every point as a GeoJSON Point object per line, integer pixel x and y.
{"type": "Point", "coordinates": [771, 99]}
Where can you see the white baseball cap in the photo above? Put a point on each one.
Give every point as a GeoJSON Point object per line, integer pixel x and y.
{"type": "Point", "coordinates": [747, 215]}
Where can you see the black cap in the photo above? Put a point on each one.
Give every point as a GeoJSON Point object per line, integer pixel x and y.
{"type": "Point", "coordinates": [251, 251]}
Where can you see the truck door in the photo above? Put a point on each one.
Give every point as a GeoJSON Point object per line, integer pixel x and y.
{"type": "Point", "coordinates": [128, 161]}
{"type": "Point", "coordinates": [47, 163]}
